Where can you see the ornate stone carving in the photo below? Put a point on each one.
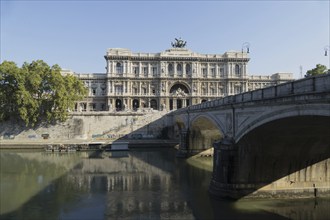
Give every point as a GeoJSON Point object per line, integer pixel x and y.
{"type": "Point", "coordinates": [179, 93]}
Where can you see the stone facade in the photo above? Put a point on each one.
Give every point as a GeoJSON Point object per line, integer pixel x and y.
{"type": "Point", "coordinates": [169, 80]}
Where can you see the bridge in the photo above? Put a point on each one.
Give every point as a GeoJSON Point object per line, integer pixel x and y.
{"type": "Point", "coordinates": [268, 142]}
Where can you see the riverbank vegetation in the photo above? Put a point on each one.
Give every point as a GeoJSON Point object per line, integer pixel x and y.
{"type": "Point", "coordinates": [37, 93]}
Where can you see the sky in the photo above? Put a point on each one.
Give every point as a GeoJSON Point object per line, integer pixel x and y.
{"type": "Point", "coordinates": [284, 36]}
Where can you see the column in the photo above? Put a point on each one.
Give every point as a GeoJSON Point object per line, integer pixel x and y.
{"type": "Point", "coordinates": [124, 67]}
{"type": "Point", "coordinates": [108, 66]}
{"type": "Point", "coordinates": [167, 103]}
{"type": "Point", "coordinates": [149, 70]}
{"type": "Point", "coordinates": [184, 103]}
{"type": "Point", "coordinates": [149, 89]}
{"type": "Point", "coordinates": [174, 103]}
{"type": "Point", "coordinates": [108, 87]}
{"type": "Point", "coordinates": [113, 67]}
{"type": "Point", "coordinates": [175, 70]}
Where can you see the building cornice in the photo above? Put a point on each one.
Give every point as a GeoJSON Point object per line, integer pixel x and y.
{"type": "Point", "coordinates": [188, 59]}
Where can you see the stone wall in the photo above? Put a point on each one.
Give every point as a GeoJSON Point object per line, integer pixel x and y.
{"type": "Point", "coordinates": [91, 126]}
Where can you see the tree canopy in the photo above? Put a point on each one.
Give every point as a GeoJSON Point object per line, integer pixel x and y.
{"type": "Point", "coordinates": [319, 69]}
{"type": "Point", "coordinates": [37, 93]}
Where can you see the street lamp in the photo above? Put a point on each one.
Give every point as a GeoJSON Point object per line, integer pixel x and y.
{"type": "Point", "coordinates": [326, 49]}
{"type": "Point", "coordinates": [246, 45]}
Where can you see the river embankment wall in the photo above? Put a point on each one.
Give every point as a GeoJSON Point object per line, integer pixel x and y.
{"type": "Point", "coordinates": [89, 127]}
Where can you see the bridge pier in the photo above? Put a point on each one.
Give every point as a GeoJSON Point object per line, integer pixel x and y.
{"type": "Point", "coordinates": [183, 146]}
{"type": "Point", "coordinates": [225, 159]}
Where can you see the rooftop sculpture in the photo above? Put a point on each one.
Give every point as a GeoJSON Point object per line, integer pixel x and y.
{"type": "Point", "coordinates": [179, 43]}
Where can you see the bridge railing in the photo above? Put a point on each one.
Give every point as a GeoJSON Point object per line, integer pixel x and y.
{"type": "Point", "coordinates": [316, 84]}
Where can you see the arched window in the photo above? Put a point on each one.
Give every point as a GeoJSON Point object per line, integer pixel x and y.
{"type": "Point", "coordinates": [170, 68]}
{"type": "Point", "coordinates": [179, 69]}
{"type": "Point", "coordinates": [188, 69]}
{"type": "Point", "coordinates": [237, 69]}
{"type": "Point", "coordinates": [153, 104]}
{"type": "Point", "coordinates": [119, 68]}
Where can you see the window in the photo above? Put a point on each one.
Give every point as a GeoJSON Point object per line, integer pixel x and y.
{"type": "Point", "coordinates": [213, 72]}
{"type": "Point", "coordinates": [145, 71]}
{"type": "Point", "coordinates": [119, 90]}
{"type": "Point", "coordinates": [154, 91]}
{"type": "Point", "coordinates": [238, 89]}
{"type": "Point", "coordinates": [179, 69]}
{"type": "Point", "coordinates": [188, 69]}
{"type": "Point", "coordinates": [154, 71]}
{"type": "Point", "coordinates": [119, 68]}
{"type": "Point", "coordinates": [94, 91]}
{"type": "Point", "coordinates": [222, 72]}
{"type": "Point", "coordinates": [237, 70]}
{"type": "Point", "coordinates": [204, 71]}
{"type": "Point", "coordinates": [136, 70]}
{"type": "Point", "coordinates": [144, 91]}
{"type": "Point", "coordinates": [170, 69]}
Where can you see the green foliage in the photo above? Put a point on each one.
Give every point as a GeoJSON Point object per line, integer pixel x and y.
{"type": "Point", "coordinates": [37, 93]}
{"type": "Point", "coordinates": [319, 69]}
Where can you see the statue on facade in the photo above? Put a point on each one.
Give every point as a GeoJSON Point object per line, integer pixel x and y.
{"type": "Point", "coordinates": [179, 43]}
{"type": "Point", "coordinates": [163, 107]}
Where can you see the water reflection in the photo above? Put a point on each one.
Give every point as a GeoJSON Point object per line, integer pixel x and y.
{"type": "Point", "coordinates": [135, 185]}
{"type": "Point", "coordinates": [23, 175]}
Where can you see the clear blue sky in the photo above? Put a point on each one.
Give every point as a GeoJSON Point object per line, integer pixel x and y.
{"type": "Point", "coordinates": [283, 35]}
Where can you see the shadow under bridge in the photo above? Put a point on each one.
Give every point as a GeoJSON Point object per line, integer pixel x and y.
{"type": "Point", "coordinates": [199, 135]}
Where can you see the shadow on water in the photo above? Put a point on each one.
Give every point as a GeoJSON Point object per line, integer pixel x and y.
{"type": "Point", "coordinates": [142, 184]}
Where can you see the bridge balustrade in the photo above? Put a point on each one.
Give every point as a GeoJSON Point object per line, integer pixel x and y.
{"type": "Point", "coordinates": [269, 92]}
{"type": "Point", "coordinates": [306, 85]}
{"type": "Point", "coordinates": [322, 83]}
{"type": "Point", "coordinates": [303, 86]}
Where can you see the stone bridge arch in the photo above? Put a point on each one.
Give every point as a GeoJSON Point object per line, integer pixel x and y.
{"type": "Point", "coordinates": [286, 151]}
{"type": "Point", "coordinates": [270, 115]}
{"type": "Point", "coordinates": [203, 132]}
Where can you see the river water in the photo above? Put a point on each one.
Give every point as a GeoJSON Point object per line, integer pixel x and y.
{"type": "Point", "coordinates": [139, 184]}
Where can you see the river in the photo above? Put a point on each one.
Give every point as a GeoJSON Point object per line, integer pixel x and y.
{"type": "Point", "coordinates": [138, 184]}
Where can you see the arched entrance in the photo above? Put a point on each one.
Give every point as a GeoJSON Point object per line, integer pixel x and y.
{"type": "Point", "coordinates": [153, 104]}
{"type": "Point", "coordinates": [135, 104]}
{"type": "Point", "coordinates": [179, 96]}
{"type": "Point", "coordinates": [119, 105]}
{"type": "Point", "coordinates": [203, 100]}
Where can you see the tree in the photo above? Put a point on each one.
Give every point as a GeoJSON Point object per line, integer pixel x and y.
{"type": "Point", "coordinates": [37, 93]}
{"type": "Point", "coordinates": [319, 69]}
{"type": "Point", "coordinates": [9, 85]}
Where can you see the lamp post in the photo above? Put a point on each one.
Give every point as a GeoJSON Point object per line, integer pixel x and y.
{"type": "Point", "coordinates": [246, 45]}
{"type": "Point", "coordinates": [326, 49]}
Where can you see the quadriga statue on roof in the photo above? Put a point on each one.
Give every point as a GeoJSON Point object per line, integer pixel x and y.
{"type": "Point", "coordinates": [179, 43]}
